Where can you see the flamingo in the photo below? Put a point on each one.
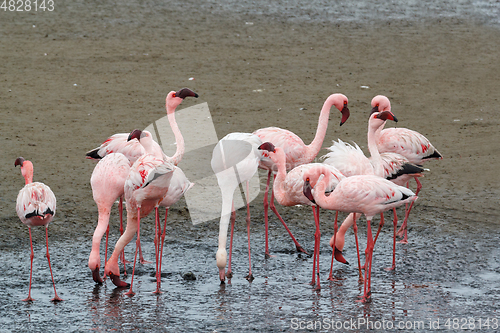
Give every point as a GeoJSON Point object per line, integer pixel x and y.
{"type": "Point", "coordinates": [179, 184]}
{"type": "Point", "coordinates": [133, 149]}
{"type": "Point", "coordinates": [411, 144]}
{"type": "Point", "coordinates": [145, 187]}
{"type": "Point", "coordinates": [288, 189]}
{"type": "Point", "coordinates": [296, 151]}
{"type": "Point", "coordinates": [107, 181]}
{"type": "Point", "coordinates": [366, 194]}
{"type": "Point", "coordinates": [235, 160]}
{"type": "Point", "coordinates": [351, 160]}
{"type": "Point", "coordinates": [35, 206]}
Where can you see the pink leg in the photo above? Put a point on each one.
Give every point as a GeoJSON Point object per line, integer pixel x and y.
{"type": "Point", "coordinates": [32, 255]}
{"type": "Point", "coordinates": [120, 211]}
{"type": "Point", "coordinates": [403, 230]}
{"type": "Point", "coordinates": [249, 277]}
{"type": "Point", "coordinates": [162, 242]}
{"type": "Point", "coordinates": [141, 257]}
{"type": "Point", "coordinates": [330, 277]}
{"type": "Point", "coordinates": [266, 205]}
{"type": "Point", "coordinates": [395, 223]}
{"type": "Point", "coordinates": [56, 298]}
{"type": "Point", "coordinates": [355, 229]}
{"type": "Point", "coordinates": [313, 280]}
{"type": "Point", "coordinates": [316, 250]}
{"type": "Point", "coordinates": [157, 250]}
{"type": "Point", "coordinates": [379, 227]}
{"type": "Point", "coordinates": [229, 273]}
{"type": "Point", "coordinates": [137, 243]}
{"type": "Point", "coordinates": [368, 263]}
{"type": "Point", "coordinates": [273, 208]}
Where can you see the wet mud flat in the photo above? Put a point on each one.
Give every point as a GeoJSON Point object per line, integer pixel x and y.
{"type": "Point", "coordinates": [71, 78]}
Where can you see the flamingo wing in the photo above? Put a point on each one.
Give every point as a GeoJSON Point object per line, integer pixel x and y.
{"type": "Point", "coordinates": [349, 159]}
{"type": "Point", "coordinates": [36, 204]}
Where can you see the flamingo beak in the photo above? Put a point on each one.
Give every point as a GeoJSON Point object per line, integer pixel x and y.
{"type": "Point", "coordinates": [117, 282]}
{"type": "Point", "coordinates": [19, 161]}
{"type": "Point", "coordinates": [308, 191]}
{"type": "Point", "coordinates": [339, 257]}
{"type": "Point", "coordinates": [222, 275]}
{"type": "Point", "coordinates": [186, 92]}
{"type": "Point", "coordinates": [345, 114]}
{"type": "Point", "coordinates": [374, 109]}
{"type": "Point", "coordinates": [387, 115]}
{"type": "Point", "coordinates": [135, 134]}
{"type": "Point", "coordinates": [96, 276]}
{"type": "Point", "coordinates": [267, 146]}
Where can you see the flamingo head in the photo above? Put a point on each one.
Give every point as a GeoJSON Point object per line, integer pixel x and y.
{"type": "Point", "coordinates": [221, 257]}
{"type": "Point", "coordinates": [340, 101]}
{"type": "Point", "coordinates": [175, 98]}
{"type": "Point", "coordinates": [380, 103]}
{"type": "Point", "coordinates": [378, 119]}
{"type": "Point", "coordinates": [26, 169]}
{"type": "Point", "coordinates": [135, 134]}
{"type": "Point", "coordinates": [267, 146]}
{"type": "Point", "coordinates": [307, 190]}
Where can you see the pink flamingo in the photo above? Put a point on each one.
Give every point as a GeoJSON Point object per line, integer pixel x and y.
{"type": "Point", "coordinates": [133, 149]}
{"type": "Point", "coordinates": [145, 188]}
{"type": "Point", "coordinates": [408, 143]}
{"type": "Point", "coordinates": [35, 206]}
{"type": "Point", "coordinates": [235, 160]}
{"type": "Point", "coordinates": [289, 191]}
{"type": "Point", "coordinates": [297, 152]}
{"type": "Point", "coordinates": [366, 194]}
{"type": "Point", "coordinates": [107, 181]}
{"type": "Point", "coordinates": [351, 160]}
{"type": "Point", "coordinates": [119, 143]}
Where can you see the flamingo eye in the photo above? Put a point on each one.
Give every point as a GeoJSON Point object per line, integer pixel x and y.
{"type": "Point", "coordinates": [173, 95]}
{"type": "Point", "coordinates": [307, 179]}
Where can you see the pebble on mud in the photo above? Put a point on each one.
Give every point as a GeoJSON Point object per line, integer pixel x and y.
{"type": "Point", "coordinates": [189, 276]}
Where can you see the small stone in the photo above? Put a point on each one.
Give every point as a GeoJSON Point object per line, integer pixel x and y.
{"type": "Point", "coordinates": [189, 276]}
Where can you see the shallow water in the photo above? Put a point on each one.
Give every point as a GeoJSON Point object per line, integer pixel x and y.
{"type": "Point", "coordinates": [444, 272]}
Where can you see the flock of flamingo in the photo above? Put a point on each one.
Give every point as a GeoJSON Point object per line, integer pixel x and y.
{"type": "Point", "coordinates": [133, 167]}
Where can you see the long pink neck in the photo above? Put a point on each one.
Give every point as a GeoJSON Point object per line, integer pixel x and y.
{"type": "Point", "coordinates": [27, 172]}
{"type": "Point", "coordinates": [179, 152]}
{"type": "Point", "coordinates": [320, 188]}
{"type": "Point", "coordinates": [315, 146]}
{"type": "Point", "coordinates": [278, 185]}
{"type": "Point", "coordinates": [375, 154]}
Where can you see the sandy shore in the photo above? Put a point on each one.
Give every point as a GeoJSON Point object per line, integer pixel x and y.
{"type": "Point", "coordinates": [66, 86]}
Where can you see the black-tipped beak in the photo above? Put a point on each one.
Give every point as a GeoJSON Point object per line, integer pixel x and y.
{"type": "Point", "coordinates": [135, 134]}
{"type": "Point", "coordinates": [267, 146]}
{"type": "Point", "coordinates": [387, 115]}
{"type": "Point", "coordinates": [308, 191]}
{"type": "Point", "coordinates": [339, 257]}
{"type": "Point", "coordinates": [345, 114]}
{"type": "Point", "coordinates": [374, 109]}
{"type": "Point", "coordinates": [186, 92]}
{"type": "Point", "coordinates": [19, 161]}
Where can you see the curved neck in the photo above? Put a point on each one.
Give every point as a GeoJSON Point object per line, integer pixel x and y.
{"type": "Point", "coordinates": [375, 154]}
{"type": "Point", "coordinates": [314, 147]}
{"type": "Point", "coordinates": [27, 172]}
{"type": "Point", "coordinates": [179, 140]}
{"type": "Point", "coordinates": [279, 180]}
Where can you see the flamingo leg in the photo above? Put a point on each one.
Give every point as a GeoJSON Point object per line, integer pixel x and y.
{"type": "Point", "coordinates": [229, 273]}
{"type": "Point", "coordinates": [120, 210]}
{"type": "Point", "coordinates": [266, 218]}
{"type": "Point", "coordinates": [330, 277]}
{"type": "Point", "coordinates": [157, 249]}
{"type": "Point", "coordinates": [313, 281]}
{"type": "Point", "coordinates": [316, 250]}
{"type": "Point", "coordinates": [379, 227]}
{"type": "Point", "coordinates": [56, 298]}
{"type": "Point", "coordinates": [137, 244]}
{"type": "Point", "coordinates": [32, 255]}
{"type": "Point", "coordinates": [403, 230]}
{"type": "Point", "coordinates": [162, 242]}
{"type": "Point", "coordinates": [368, 262]}
{"type": "Point", "coordinates": [249, 277]}
{"type": "Point", "coordinates": [395, 223]}
{"type": "Point", "coordinates": [273, 208]}
{"type": "Point", "coordinates": [355, 229]}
